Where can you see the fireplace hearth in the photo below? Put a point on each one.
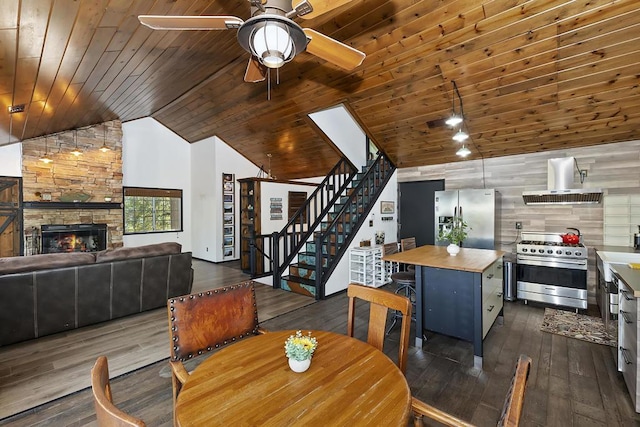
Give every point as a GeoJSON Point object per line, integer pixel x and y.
{"type": "Point", "coordinates": [74, 238]}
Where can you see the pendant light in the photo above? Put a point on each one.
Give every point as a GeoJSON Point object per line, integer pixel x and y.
{"type": "Point", "coordinates": [463, 151]}
{"type": "Point", "coordinates": [455, 118]}
{"type": "Point", "coordinates": [460, 136]}
{"type": "Point", "coordinates": [76, 152]}
{"type": "Point", "coordinates": [105, 147]}
{"type": "Point", "coordinates": [46, 159]}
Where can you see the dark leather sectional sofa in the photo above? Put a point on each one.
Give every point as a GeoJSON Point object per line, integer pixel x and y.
{"type": "Point", "coordinates": [45, 294]}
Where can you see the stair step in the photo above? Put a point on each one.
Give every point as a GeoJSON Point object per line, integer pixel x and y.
{"type": "Point", "coordinates": [305, 271]}
{"type": "Point", "coordinates": [310, 258]}
{"type": "Point", "coordinates": [341, 229]}
{"type": "Point", "coordinates": [292, 284]}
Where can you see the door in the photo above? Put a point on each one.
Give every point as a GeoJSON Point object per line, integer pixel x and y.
{"type": "Point", "coordinates": [415, 210]}
{"type": "Point", "coordinates": [10, 216]}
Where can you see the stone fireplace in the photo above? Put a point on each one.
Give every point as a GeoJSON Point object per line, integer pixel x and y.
{"type": "Point", "coordinates": [73, 190]}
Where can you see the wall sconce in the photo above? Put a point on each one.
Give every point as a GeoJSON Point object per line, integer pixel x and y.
{"type": "Point", "coordinates": [76, 152]}
{"type": "Point", "coordinates": [46, 159]}
{"type": "Point", "coordinates": [104, 147]}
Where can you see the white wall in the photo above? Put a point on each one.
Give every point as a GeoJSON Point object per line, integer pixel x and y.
{"type": "Point", "coordinates": [210, 158]}
{"type": "Point", "coordinates": [278, 190]}
{"type": "Point", "coordinates": [11, 160]}
{"type": "Point", "coordinates": [155, 157]}
{"type": "Point", "coordinates": [340, 277]}
{"type": "Point", "coordinates": [339, 126]}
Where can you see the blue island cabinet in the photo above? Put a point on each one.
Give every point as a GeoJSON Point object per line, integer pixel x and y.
{"type": "Point", "coordinates": [462, 304]}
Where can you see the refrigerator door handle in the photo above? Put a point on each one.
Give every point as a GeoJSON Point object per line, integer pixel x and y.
{"type": "Point", "coordinates": [455, 212]}
{"type": "Point", "coordinates": [461, 212]}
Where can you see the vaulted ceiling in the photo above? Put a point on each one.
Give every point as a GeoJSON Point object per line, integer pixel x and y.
{"type": "Point", "coordinates": [533, 75]}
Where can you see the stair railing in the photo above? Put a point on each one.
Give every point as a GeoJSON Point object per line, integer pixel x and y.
{"type": "Point", "coordinates": [334, 241]}
{"type": "Point", "coordinates": [287, 243]}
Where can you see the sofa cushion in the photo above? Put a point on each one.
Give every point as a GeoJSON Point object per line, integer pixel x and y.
{"type": "Point", "coordinates": [20, 264]}
{"type": "Point", "coordinates": [157, 249]}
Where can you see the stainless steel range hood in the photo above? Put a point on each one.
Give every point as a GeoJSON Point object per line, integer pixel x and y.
{"type": "Point", "coordinates": [560, 189]}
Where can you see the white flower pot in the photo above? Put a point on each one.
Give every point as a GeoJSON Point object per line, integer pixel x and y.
{"type": "Point", "coordinates": [299, 365]}
{"type": "Point", "coordinates": [453, 249]}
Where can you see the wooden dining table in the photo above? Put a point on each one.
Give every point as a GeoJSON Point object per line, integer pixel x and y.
{"type": "Point", "coordinates": [250, 383]}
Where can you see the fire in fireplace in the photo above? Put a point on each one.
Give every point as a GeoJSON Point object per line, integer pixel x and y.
{"type": "Point", "coordinates": [74, 238]}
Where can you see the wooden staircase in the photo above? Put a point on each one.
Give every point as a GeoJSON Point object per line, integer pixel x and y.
{"type": "Point", "coordinates": [322, 252]}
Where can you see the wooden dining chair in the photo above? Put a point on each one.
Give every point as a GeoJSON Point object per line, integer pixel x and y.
{"type": "Point", "coordinates": [381, 301]}
{"type": "Point", "coordinates": [511, 411]}
{"type": "Point", "coordinates": [204, 321]}
{"type": "Point", "coordinates": [107, 414]}
{"type": "Point", "coordinates": [407, 243]}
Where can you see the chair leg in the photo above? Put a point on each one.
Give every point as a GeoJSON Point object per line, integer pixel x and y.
{"type": "Point", "coordinates": [409, 292]}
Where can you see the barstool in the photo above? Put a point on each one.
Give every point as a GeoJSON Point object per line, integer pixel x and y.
{"type": "Point", "coordinates": [405, 284]}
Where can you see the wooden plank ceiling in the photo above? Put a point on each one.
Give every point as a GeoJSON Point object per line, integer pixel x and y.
{"type": "Point", "coordinates": [533, 75]}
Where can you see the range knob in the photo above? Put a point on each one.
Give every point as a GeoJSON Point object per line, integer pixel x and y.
{"type": "Point", "coordinates": [541, 251]}
{"type": "Point", "coordinates": [567, 253]}
{"type": "Point", "coordinates": [549, 251]}
{"type": "Point", "coordinates": [559, 251]}
{"type": "Point", "coordinates": [578, 253]}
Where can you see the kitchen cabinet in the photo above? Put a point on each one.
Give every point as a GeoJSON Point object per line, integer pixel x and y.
{"type": "Point", "coordinates": [621, 219]}
{"type": "Point", "coordinates": [366, 266]}
{"type": "Point", "coordinates": [628, 281]}
{"type": "Point", "coordinates": [458, 296]}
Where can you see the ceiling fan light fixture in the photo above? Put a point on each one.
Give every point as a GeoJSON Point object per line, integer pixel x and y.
{"type": "Point", "coordinates": [463, 151]}
{"type": "Point", "coordinates": [273, 39]}
{"type": "Point", "coordinates": [460, 136]}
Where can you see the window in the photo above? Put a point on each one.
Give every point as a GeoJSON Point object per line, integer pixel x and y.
{"type": "Point", "coordinates": [152, 210]}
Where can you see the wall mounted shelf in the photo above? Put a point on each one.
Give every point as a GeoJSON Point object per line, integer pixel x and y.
{"type": "Point", "coordinates": [71, 205]}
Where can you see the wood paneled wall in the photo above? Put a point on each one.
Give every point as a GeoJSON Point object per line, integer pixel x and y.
{"type": "Point", "coordinates": [615, 168]}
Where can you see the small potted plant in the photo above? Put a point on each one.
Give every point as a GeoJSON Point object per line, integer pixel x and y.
{"type": "Point", "coordinates": [454, 234]}
{"type": "Point", "coordinates": [299, 349]}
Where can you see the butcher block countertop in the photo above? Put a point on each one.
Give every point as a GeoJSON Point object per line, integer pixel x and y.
{"type": "Point", "coordinates": [468, 259]}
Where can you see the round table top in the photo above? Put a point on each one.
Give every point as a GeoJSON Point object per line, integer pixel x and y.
{"type": "Point", "coordinates": [250, 383]}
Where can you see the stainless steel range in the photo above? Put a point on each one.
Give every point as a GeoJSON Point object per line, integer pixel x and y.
{"type": "Point", "coordinates": [551, 271]}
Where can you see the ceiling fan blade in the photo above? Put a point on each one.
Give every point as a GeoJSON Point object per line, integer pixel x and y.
{"type": "Point", "coordinates": [318, 7]}
{"type": "Point", "coordinates": [332, 50]}
{"type": "Point", "coordinates": [160, 22]}
{"type": "Point", "coordinates": [255, 72]}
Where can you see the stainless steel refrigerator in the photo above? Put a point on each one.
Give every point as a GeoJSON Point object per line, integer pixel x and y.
{"type": "Point", "coordinates": [478, 208]}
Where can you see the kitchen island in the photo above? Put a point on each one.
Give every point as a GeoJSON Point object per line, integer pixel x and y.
{"type": "Point", "coordinates": [459, 296]}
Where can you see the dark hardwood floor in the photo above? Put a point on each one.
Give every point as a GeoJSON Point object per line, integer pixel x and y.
{"type": "Point", "coordinates": [572, 383]}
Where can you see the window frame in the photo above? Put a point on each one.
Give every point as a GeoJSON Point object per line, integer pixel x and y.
{"type": "Point", "coordinates": [153, 193]}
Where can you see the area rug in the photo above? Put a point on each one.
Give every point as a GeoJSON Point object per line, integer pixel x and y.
{"type": "Point", "coordinates": [578, 326]}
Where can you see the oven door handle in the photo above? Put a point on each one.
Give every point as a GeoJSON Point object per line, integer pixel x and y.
{"type": "Point", "coordinates": [549, 262]}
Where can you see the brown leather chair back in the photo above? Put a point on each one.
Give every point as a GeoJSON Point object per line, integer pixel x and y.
{"type": "Point", "coordinates": [107, 414]}
{"type": "Point", "coordinates": [203, 321]}
{"type": "Point", "coordinates": [381, 301]}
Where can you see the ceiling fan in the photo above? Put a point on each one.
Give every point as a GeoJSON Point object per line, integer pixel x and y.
{"type": "Point", "coordinates": [270, 35]}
